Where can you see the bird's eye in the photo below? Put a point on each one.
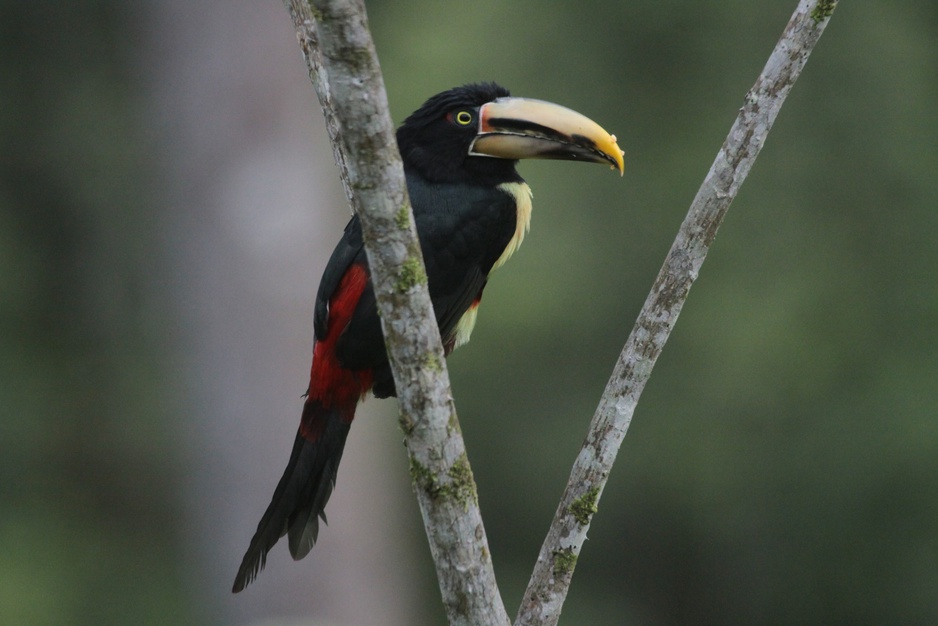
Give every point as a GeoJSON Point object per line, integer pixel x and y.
{"type": "Point", "coordinates": [463, 118]}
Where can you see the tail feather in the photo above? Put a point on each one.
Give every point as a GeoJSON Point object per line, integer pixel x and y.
{"type": "Point", "coordinates": [301, 495]}
{"type": "Point", "coordinates": [304, 525]}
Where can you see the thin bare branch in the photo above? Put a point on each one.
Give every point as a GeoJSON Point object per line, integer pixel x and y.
{"type": "Point", "coordinates": [550, 580]}
{"type": "Point", "coordinates": [344, 69]}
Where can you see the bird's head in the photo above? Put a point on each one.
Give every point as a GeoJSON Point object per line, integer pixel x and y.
{"type": "Point", "coordinates": [476, 134]}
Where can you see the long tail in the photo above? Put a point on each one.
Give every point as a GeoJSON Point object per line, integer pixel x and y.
{"type": "Point", "coordinates": [303, 491]}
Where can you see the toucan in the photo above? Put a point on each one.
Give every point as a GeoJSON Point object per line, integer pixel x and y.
{"type": "Point", "coordinates": [472, 210]}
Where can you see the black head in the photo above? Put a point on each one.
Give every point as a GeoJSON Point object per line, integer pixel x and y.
{"type": "Point", "coordinates": [435, 140]}
{"type": "Point", "coordinates": [477, 133]}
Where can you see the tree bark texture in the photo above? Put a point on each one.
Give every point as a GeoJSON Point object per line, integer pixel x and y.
{"type": "Point", "coordinates": [550, 580]}
{"type": "Point", "coordinates": [343, 67]}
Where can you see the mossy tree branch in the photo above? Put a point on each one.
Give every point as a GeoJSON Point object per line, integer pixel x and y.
{"type": "Point", "coordinates": [550, 581]}
{"type": "Point", "coordinates": [344, 69]}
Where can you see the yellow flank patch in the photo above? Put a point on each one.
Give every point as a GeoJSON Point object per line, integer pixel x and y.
{"type": "Point", "coordinates": [522, 194]}
{"type": "Point", "coordinates": [465, 325]}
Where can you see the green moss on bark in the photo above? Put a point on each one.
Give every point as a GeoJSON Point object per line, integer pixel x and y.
{"type": "Point", "coordinates": [460, 487]}
{"type": "Point", "coordinates": [564, 561]}
{"type": "Point", "coordinates": [582, 508]}
{"type": "Point", "coordinates": [823, 10]}
{"type": "Point", "coordinates": [402, 217]}
{"type": "Point", "coordinates": [412, 274]}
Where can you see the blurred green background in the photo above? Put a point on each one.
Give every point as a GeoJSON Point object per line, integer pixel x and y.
{"type": "Point", "coordinates": [168, 201]}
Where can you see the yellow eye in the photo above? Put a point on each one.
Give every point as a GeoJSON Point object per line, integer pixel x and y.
{"type": "Point", "coordinates": [464, 118]}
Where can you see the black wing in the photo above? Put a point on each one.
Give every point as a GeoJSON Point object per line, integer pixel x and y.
{"type": "Point", "coordinates": [463, 230]}
{"type": "Point", "coordinates": [348, 252]}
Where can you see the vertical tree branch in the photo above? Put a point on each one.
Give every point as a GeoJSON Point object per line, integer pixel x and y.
{"type": "Point", "coordinates": [343, 67]}
{"type": "Point", "coordinates": [550, 580]}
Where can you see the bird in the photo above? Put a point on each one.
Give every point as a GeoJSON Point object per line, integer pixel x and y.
{"type": "Point", "coordinates": [472, 210]}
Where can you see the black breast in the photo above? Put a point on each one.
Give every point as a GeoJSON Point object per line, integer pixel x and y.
{"type": "Point", "coordinates": [463, 230]}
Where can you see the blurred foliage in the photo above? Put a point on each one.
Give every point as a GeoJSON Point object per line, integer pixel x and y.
{"type": "Point", "coordinates": [88, 514]}
{"type": "Point", "coordinates": [783, 463]}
